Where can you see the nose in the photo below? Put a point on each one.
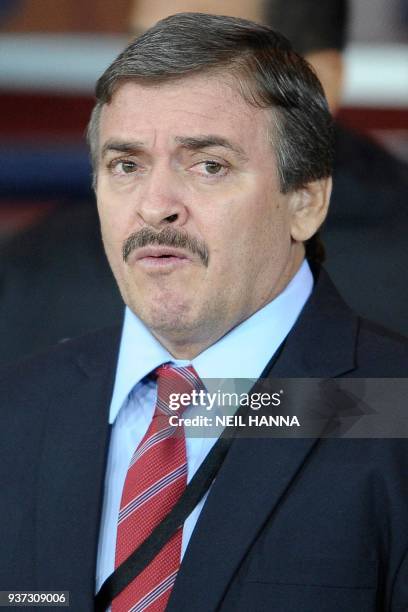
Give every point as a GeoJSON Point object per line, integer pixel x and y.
{"type": "Point", "coordinates": [162, 199]}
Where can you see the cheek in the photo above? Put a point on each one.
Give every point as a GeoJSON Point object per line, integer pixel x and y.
{"type": "Point", "coordinates": [230, 233]}
{"type": "Point", "coordinates": [268, 236]}
{"type": "Point", "coordinates": [112, 220]}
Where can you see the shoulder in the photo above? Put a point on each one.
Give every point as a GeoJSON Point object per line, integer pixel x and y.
{"type": "Point", "coordinates": [380, 352]}
{"type": "Point", "coordinates": [54, 388]}
{"type": "Point", "coordinates": [331, 340]}
{"type": "Point", "coordinates": [64, 362]}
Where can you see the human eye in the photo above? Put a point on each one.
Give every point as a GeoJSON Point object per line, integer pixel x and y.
{"type": "Point", "coordinates": [211, 167]}
{"type": "Point", "coordinates": [122, 167]}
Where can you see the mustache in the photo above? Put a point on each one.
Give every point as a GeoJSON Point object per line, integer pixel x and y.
{"type": "Point", "coordinates": [168, 236]}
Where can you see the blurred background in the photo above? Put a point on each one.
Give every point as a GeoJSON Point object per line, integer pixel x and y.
{"type": "Point", "coordinates": [51, 53]}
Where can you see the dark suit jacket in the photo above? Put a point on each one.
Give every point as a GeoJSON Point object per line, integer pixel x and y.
{"type": "Point", "coordinates": [299, 525]}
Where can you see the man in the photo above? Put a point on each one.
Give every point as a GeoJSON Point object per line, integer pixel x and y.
{"type": "Point", "coordinates": [211, 142]}
{"type": "Point", "coordinates": [44, 299]}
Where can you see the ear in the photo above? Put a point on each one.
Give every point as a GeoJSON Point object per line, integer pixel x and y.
{"type": "Point", "coordinates": [309, 207]}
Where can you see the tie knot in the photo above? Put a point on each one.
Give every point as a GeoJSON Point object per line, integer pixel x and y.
{"type": "Point", "coordinates": [176, 387]}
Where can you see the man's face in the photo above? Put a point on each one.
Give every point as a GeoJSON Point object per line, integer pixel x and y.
{"type": "Point", "coordinates": [190, 161]}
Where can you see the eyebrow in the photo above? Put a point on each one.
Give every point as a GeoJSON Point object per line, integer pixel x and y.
{"type": "Point", "coordinates": [122, 147]}
{"type": "Point", "coordinates": [203, 142]}
{"type": "Point", "coordinates": [188, 142]}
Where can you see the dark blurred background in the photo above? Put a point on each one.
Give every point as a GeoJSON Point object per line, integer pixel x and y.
{"type": "Point", "coordinates": [52, 51]}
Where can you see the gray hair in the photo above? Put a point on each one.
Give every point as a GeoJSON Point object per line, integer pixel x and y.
{"type": "Point", "coordinates": [268, 72]}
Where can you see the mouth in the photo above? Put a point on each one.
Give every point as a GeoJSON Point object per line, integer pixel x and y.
{"type": "Point", "coordinates": [161, 257]}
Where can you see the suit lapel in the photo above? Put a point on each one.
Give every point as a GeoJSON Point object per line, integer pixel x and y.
{"type": "Point", "coordinates": [257, 472]}
{"type": "Point", "coordinates": [249, 486]}
{"type": "Point", "coordinates": [71, 475]}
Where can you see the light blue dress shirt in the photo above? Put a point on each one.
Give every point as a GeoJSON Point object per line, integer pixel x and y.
{"type": "Point", "coordinates": [242, 353]}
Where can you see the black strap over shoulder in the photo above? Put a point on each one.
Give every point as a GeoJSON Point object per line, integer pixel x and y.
{"type": "Point", "coordinates": [145, 553]}
{"type": "Point", "coordinates": [194, 492]}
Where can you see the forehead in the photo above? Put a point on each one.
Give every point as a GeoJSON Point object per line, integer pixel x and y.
{"type": "Point", "coordinates": [195, 105]}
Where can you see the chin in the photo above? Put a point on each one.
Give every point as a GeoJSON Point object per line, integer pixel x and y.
{"type": "Point", "coordinates": [165, 316]}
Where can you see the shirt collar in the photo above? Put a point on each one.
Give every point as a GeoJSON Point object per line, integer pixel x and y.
{"type": "Point", "coordinates": [242, 353]}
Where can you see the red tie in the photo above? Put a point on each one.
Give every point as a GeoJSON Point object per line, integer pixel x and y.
{"type": "Point", "coordinates": [155, 480]}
